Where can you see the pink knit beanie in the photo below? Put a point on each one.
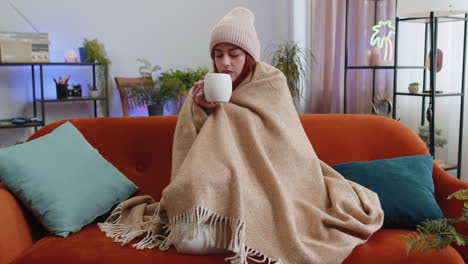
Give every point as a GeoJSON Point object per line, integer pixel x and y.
{"type": "Point", "coordinates": [237, 27]}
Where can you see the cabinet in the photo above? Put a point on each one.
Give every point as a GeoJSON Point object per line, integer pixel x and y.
{"type": "Point", "coordinates": [38, 99]}
{"type": "Point", "coordinates": [431, 93]}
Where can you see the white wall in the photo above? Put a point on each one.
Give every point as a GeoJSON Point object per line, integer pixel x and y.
{"type": "Point", "coordinates": [171, 33]}
{"type": "Point", "coordinates": [301, 34]}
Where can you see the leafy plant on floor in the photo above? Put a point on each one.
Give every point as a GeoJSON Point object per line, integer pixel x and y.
{"type": "Point", "coordinates": [438, 234]}
{"type": "Point", "coordinates": [294, 61]}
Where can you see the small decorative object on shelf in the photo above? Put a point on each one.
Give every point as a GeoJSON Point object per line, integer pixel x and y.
{"type": "Point", "coordinates": [382, 106]}
{"type": "Point", "coordinates": [74, 91]}
{"type": "Point", "coordinates": [19, 121]}
{"type": "Point", "coordinates": [377, 42]}
{"type": "Point", "coordinates": [82, 52]}
{"type": "Point", "coordinates": [428, 92]}
{"type": "Point", "coordinates": [62, 87]}
{"type": "Point", "coordinates": [65, 90]}
{"type": "Point", "coordinates": [375, 56]}
{"type": "Point", "coordinates": [70, 56]}
{"type": "Point", "coordinates": [366, 58]}
{"type": "Point", "coordinates": [93, 91]}
{"type": "Point", "coordinates": [62, 90]}
{"type": "Point", "coordinates": [413, 87]}
{"type": "Point", "coordinates": [440, 57]}
{"type": "Point", "coordinates": [438, 234]}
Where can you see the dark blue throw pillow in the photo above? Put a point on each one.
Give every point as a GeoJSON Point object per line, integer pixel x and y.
{"type": "Point", "coordinates": [404, 185]}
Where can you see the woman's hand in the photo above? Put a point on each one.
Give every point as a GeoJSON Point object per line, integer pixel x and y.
{"type": "Point", "coordinates": [198, 96]}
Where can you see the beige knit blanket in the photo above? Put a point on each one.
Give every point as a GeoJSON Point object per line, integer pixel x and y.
{"type": "Point", "coordinates": [249, 167]}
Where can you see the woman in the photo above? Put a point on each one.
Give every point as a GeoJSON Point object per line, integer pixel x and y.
{"type": "Point", "coordinates": [245, 178]}
{"type": "Point", "coordinates": [228, 58]}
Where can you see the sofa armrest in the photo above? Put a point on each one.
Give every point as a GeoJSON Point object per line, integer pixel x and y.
{"type": "Point", "coordinates": [445, 184]}
{"type": "Point", "coordinates": [16, 235]}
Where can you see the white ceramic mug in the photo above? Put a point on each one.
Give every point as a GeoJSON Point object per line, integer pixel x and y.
{"type": "Point", "coordinates": [218, 87]}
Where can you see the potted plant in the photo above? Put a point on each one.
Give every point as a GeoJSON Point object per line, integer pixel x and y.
{"type": "Point", "coordinates": [95, 52]}
{"type": "Point", "coordinates": [439, 233]}
{"type": "Point", "coordinates": [180, 82]}
{"type": "Point", "coordinates": [439, 140]}
{"type": "Point", "coordinates": [294, 62]}
{"type": "Point", "coordinates": [93, 91]}
{"type": "Point", "coordinates": [154, 95]}
{"type": "Point", "coordinates": [413, 87]}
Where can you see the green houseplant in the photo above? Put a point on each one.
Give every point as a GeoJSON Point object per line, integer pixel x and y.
{"type": "Point", "coordinates": [294, 61]}
{"type": "Point", "coordinates": [154, 95]}
{"type": "Point", "coordinates": [438, 234]}
{"type": "Point", "coordinates": [425, 136]}
{"type": "Point", "coordinates": [180, 82]}
{"type": "Point", "coordinates": [413, 87]}
{"type": "Point", "coordinates": [96, 52]}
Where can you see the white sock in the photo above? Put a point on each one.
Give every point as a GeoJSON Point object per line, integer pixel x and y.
{"type": "Point", "coordinates": [200, 244]}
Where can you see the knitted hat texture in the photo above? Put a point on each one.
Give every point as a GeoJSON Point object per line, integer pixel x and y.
{"type": "Point", "coordinates": [237, 27]}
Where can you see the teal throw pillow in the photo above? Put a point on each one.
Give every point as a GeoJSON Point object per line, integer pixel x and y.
{"type": "Point", "coordinates": [404, 185]}
{"type": "Point", "coordinates": [63, 180]}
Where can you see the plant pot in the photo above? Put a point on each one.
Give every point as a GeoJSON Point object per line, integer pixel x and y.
{"type": "Point", "coordinates": [62, 91]}
{"type": "Point", "coordinates": [156, 110]}
{"type": "Point", "coordinates": [413, 89]}
{"type": "Point", "coordinates": [93, 93]}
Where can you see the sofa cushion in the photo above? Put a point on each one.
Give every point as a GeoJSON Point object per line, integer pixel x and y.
{"type": "Point", "coordinates": [63, 180]}
{"type": "Point", "coordinates": [404, 185]}
{"type": "Point", "coordinates": [90, 246]}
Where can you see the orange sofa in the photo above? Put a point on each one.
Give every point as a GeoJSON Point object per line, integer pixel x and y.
{"type": "Point", "coordinates": [140, 147]}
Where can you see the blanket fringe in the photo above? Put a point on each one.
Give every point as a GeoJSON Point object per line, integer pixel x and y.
{"type": "Point", "coordinates": [186, 226]}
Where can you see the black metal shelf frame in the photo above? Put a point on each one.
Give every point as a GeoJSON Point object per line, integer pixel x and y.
{"type": "Point", "coordinates": [431, 28]}
{"type": "Point", "coordinates": [431, 23]}
{"type": "Point", "coordinates": [35, 124]}
{"type": "Point", "coordinates": [354, 67]}
{"type": "Point", "coordinates": [43, 101]}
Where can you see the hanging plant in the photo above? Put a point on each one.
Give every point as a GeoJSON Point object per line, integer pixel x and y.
{"type": "Point", "coordinates": [95, 52]}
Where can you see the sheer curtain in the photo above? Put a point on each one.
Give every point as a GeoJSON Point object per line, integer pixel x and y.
{"type": "Point", "coordinates": [328, 18]}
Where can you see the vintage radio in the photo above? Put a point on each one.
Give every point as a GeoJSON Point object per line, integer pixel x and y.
{"type": "Point", "coordinates": [18, 47]}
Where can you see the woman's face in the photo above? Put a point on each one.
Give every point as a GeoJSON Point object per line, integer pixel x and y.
{"type": "Point", "coordinates": [229, 59]}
